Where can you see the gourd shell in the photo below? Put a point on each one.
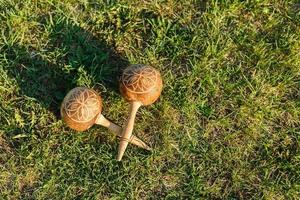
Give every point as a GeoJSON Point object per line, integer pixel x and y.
{"type": "Point", "coordinates": [141, 83]}
{"type": "Point", "coordinates": [80, 108]}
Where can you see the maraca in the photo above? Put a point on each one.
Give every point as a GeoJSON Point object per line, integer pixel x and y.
{"type": "Point", "coordinates": [81, 108]}
{"type": "Point", "coordinates": [140, 85]}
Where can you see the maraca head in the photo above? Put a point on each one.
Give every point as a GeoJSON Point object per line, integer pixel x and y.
{"type": "Point", "coordinates": [141, 83]}
{"type": "Point", "coordinates": [80, 108]}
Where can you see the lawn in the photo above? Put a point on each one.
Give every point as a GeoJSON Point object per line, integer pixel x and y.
{"type": "Point", "coordinates": [227, 125]}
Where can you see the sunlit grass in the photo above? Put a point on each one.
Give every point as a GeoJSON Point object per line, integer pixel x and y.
{"type": "Point", "coordinates": [226, 125]}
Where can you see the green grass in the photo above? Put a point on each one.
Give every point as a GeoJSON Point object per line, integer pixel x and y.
{"type": "Point", "coordinates": [227, 125]}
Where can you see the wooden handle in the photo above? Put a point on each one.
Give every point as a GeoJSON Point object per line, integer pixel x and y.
{"type": "Point", "coordinates": [127, 130]}
{"type": "Point", "coordinates": [101, 120]}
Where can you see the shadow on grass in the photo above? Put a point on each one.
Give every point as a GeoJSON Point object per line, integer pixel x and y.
{"type": "Point", "coordinates": [73, 56]}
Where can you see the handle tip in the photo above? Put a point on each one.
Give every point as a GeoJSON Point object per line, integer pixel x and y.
{"type": "Point", "coordinates": [119, 157]}
{"type": "Point", "coordinates": [148, 148]}
{"type": "Point", "coordinates": [122, 147]}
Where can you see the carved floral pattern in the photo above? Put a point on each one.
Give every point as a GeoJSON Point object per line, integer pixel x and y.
{"type": "Point", "coordinates": [139, 78]}
{"type": "Point", "coordinates": [82, 104]}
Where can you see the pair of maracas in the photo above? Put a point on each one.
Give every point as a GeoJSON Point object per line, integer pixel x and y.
{"type": "Point", "coordinates": [139, 84]}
